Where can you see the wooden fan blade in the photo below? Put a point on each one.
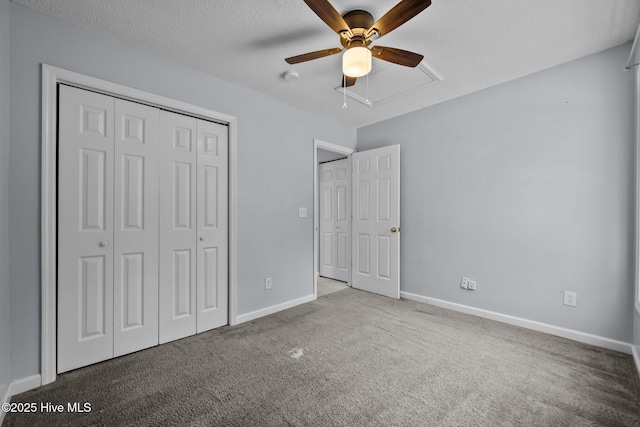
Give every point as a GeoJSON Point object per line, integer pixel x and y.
{"type": "Point", "coordinates": [312, 55]}
{"type": "Point", "coordinates": [348, 81]}
{"type": "Point", "coordinates": [397, 56]}
{"type": "Point", "coordinates": [328, 14]}
{"type": "Point", "coordinates": [398, 15]}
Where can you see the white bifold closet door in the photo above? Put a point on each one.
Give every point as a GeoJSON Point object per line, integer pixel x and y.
{"type": "Point", "coordinates": [107, 227]}
{"type": "Point", "coordinates": [335, 219]}
{"type": "Point", "coordinates": [193, 226]}
{"type": "Point", "coordinates": [142, 227]}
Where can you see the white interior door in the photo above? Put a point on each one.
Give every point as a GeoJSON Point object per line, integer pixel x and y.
{"type": "Point", "coordinates": [335, 215]}
{"type": "Point", "coordinates": [212, 226]}
{"type": "Point", "coordinates": [135, 276]}
{"type": "Point", "coordinates": [85, 228]}
{"type": "Point", "coordinates": [178, 163]}
{"type": "Point", "coordinates": [327, 220]}
{"type": "Point", "coordinates": [376, 221]}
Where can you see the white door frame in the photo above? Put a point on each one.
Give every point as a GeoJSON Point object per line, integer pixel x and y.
{"type": "Point", "coordinates": [317, 144]}
{"type": "Point", "coordinates": [51, 77]}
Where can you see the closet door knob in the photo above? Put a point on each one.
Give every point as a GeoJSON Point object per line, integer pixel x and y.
{"type": "Point", "coordinates": [202, 238]}
{"type": "Point", "coordinates": [103, 244]}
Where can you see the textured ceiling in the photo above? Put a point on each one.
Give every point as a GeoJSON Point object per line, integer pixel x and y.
{"type": "Point", "coordinates": [469, 44]}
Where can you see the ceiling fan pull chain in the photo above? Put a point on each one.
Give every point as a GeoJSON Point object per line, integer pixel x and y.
{"type": "Point", "coordinates": [367, 100]}
{"type": "Point", "coordinates": [344, 91]}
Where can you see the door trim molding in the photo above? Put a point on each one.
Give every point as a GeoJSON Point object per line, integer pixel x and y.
{"type": "Point", "coordinates": [51, 77]}
{"type": "Point", "coordinates": [317, 143]}
{"type": "Point", "coordinates": [637, 194]}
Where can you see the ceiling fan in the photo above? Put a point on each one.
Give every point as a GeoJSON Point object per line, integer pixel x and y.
{"type": "Point", "coordinates": [357, 30]}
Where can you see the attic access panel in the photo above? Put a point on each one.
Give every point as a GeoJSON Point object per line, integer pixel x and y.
{"type": "Point", "coordinates": [388, 82]}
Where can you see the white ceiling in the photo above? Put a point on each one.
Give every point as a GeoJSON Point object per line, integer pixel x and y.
{"type": "Point", "coordinates": [470, 44]}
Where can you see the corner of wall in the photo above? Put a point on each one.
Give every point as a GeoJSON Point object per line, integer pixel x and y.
{"type": "Point", "coordinates": [5, 368]}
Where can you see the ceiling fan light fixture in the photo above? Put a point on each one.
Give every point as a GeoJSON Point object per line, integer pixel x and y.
{"type": "Point", "coordinates": [356, 61]}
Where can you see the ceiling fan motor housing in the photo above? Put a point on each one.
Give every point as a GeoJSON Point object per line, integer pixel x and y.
{"type": "Point", "coordinates": [359, 21]}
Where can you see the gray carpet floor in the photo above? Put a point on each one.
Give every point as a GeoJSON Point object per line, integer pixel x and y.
{"type": "Point", "coordinates": [353, 359]}
{"type": "Point", "coordinates": [328, 286]}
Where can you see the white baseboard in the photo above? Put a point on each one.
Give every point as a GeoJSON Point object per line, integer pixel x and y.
{"type": "Point", "coordinates": [20, 386]}
{"type": "Point", "coordinates": [273, 309]}
{"type": "Point", "coordinates": [623, 347]}
{"type": "Point", "coordinates": [24, 384]}
{"type": "Point", "coordinates": [636, 358]}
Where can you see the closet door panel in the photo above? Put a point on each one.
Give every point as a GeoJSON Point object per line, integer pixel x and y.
{"type": "Point", "coordinates": [178, 228]}
{"type": "Point", "coordinates": [342, 219]}
{"type": "Point", "coordinates": [212, 225]}
{"type": "Point", "coordinates": [327, 219]}
{"type": "Point", "coordinates": [85, 228]}
{"type": "Point", "coordinates": [142, 227]}
{"type": "Point", "coordinates": [335, 219]}
{"type": "Point", "coordinates": [136, 227]}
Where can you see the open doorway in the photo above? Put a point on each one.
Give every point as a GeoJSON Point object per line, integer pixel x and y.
{"type": "Point", "coordinates": [374, 231]}
{"type": "Point", "coordinates": [324, 152]}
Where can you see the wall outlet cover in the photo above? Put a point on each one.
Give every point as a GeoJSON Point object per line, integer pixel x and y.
{"type": "Point", "coordinates": [465, 283]}
{"type": "Point", "coordinates": [471, 285]}
{"type": "Point", "coordinates": [570, 298]}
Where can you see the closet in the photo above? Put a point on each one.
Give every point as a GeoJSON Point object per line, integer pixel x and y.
{"type": "Point", "coordinates": [142, 227]}
{"type": "Point", "coordinates": [335, 219]}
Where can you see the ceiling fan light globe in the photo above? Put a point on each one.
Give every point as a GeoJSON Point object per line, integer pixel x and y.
{"type": "Point", "coordinates": [356, 62]}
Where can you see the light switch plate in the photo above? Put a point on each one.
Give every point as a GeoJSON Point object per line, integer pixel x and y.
{"type": "Point", "coordinates": [302, 212]}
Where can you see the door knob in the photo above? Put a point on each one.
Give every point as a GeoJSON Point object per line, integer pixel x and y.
{"type": "Point", "coordinates": [103, 244]}
{"type": "Point", "coordinates": [393, 229]}
{"type": "Point", "coordinates": [202, 238]}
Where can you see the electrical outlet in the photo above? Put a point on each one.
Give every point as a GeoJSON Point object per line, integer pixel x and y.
{"type": "Point", "coordinates": [471, 285]}
{"type": "Point", "coordinates": [570, 298]}
{"type": "Point", "coordinates": [465, 283]}
{"type": "Point", "coordinates": [268, 282]}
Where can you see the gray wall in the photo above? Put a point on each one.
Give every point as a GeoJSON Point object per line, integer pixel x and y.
{"type": "Point", "coordinates": [275, 158]}
{"type": "Point", "coordinates": [527, 188]}
{"type": "Point", "coordinates": [5, 374]}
